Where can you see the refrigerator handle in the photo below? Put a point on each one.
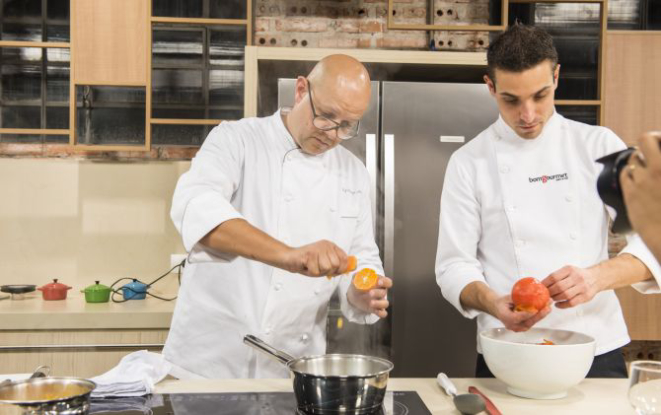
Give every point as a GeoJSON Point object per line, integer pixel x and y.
{"type": "Point", "coordinates": [370, 163]}
{"type": "Point", "coordinates": [389, 203]}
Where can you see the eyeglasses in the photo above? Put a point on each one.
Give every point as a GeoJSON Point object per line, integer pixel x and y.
{"type": "Point", "coordinates": [344, 130]}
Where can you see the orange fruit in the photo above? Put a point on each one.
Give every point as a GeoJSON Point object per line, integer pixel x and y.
{"type": "Point", "coordinates": [526, 308]}
{"type": "Point", "coordinates": [365, 279]}
{"type": "Point", "coordinates": [352, 263]}
{"type": "Point", "coordinates": [528, 294]}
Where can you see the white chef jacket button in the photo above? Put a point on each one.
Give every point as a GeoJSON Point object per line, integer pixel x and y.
{"type": "Point", "coordinates": [568, 198]}
{"type": "Point", "coordinates": [267, 331]}
{"type": "Point", "coordinates": [278, 286]}
{"type": "Point", "coordinates": [573, 236]}
{"type": "Point", "coordinates": [519, 243]}
{"type": "Point", "coordinates": [289, 198]}
{"type": "Point", "coordinates": [504, 169]}
{"type": "Point", "coordinates": [304, 338]}
{"type": "Point", "coordinates": [316, 291]}
{"type": "Point", "coordinates": [512, 208]}
{"type": "Point", "coordinates": [332, 209]}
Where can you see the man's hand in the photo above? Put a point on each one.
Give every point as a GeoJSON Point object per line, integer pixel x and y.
{"type": "Point", "coordinates": [570, 286]}
{"type": "Point", "coordinates": [318, 259]}
{"type": "Point", "coordinates": [479, 296]}
{"type": "Point", "coordinates": [373, 301]}
{"type": "Point", "coordinates": [641, 187]}
{"type": "Point", "coordinates": [503, 310]}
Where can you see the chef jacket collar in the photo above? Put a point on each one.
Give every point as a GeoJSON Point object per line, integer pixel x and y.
{"type": "Point", "coordinates": [289, 142]}
{"type": "Point", "coordinates": [505, 132]}
{"type": "Point", "coordinates": [283, 133]}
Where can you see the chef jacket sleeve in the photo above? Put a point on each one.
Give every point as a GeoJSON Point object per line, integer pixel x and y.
{"type": "Point", "coordinates": [459, 234]}
{"type": "Point", "coordinates": [202, 197]}
{"type": "Point", "coordinates": [364, 247]}
{"type": "Point", "coordinates": [637, 248]}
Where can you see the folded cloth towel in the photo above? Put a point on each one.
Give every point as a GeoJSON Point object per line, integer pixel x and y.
{"type": "Point", "coordinates": [135, 404]}
{"type": "Point", "coordinates": [135, 375]}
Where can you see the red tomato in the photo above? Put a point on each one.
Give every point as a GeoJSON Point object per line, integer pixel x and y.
{"type": "Point", "coordinates": [528, 294]}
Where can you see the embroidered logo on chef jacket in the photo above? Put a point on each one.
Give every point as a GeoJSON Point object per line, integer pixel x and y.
{"type": "Point", "coordinates": [545, 178]}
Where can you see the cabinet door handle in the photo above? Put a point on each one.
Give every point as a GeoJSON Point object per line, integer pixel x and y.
{"type": "Point", "coordinates": [389, 207]}
{"type": "Point", "coordinates": [371, 164]}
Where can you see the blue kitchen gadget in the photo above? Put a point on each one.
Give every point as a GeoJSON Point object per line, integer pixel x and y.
{"type": "Point", "coordinates": [134, 290]}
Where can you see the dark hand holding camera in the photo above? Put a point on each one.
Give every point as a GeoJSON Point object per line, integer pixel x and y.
{"type": "Point", "coordinates": [610, 189]}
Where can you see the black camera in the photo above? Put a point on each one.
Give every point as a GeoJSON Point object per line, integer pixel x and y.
{"type": "Point", "coordinates": [608, 186]}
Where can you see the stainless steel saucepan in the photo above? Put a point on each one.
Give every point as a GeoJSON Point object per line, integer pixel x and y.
{"type": "Point", "coordinates": [48, 395]}
{"type": "Point", "coordinates": [333, 383]}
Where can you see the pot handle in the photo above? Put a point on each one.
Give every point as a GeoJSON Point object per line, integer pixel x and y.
{"type": "Point", "coordinates": [259, 344]}
{"type": "Point", "coordinates": [41, 372]}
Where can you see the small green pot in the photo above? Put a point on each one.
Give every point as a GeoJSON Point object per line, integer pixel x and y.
{"type": "Point", "coordinates": [97, 293]}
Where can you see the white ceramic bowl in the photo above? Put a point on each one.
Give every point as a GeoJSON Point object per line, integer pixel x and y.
{"type": "Point", "coordinates": [538, 371]}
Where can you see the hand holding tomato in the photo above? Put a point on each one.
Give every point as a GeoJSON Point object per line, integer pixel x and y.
{"type": "Point", "coordinates": [503, 310]}
{"type": "Point", "coordinates": [528, 304]}
{"type": "Point", "coordinates": [570, 286]}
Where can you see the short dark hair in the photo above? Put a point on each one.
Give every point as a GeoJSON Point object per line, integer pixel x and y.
{"type": "Point", "coordinates": [520, 48]}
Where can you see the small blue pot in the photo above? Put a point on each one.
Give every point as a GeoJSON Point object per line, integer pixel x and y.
{"type": "Point", "coordinates": [134, 290]}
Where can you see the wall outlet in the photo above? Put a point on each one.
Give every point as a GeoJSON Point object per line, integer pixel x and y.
{"type": "Point", "coordinates": [175, 259]}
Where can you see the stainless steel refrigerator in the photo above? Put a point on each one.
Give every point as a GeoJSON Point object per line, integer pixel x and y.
{"type": "Point", "coordinates": [406, 139]}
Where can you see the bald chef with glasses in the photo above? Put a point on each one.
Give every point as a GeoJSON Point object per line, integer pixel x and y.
{"type": "Point", "coordinates": [269, 206]}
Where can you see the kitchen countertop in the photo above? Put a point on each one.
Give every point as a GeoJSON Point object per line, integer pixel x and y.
{"type": "Point", "coordinates": [33, 313]}
{"type": "Point", "coordinates": [592, 396]}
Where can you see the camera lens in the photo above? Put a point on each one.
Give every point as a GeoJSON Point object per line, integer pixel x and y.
{"type": "Point", "coordinates": [610, 191]}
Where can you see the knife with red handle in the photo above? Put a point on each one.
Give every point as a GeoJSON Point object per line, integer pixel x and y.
{"type": "Point", "coordinates": [491, 408]}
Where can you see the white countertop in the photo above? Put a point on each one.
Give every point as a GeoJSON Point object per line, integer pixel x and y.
{"type": "Point", "coordinates": [33, 313]}
{"type": "Point", "coordinates": [592, 396]}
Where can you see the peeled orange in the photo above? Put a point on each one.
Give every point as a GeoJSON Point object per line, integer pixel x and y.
{"type": "Point", "coordinates": [365, 279]}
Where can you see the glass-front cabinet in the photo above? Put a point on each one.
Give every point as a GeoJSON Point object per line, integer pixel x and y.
{"type": "Point", "coordinates": [189, 75]}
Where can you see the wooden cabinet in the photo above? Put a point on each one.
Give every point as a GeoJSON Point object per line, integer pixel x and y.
{"type": "Point", "coordinates": [106, 49]}
{"type": "Point", "coordinates": [641, 313]}
{"type": "Point", "coordinates": [110, 41]}
{"type": "Point", "coordinates": [632, 106]}
{"type": "Point", "coordinates": [81, 353]}
{"type": "Point", "coordinates": [633, 83]}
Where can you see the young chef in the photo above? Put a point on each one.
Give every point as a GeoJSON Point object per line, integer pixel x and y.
{"type": "Point", "coordinates": [268, 205]}
{"type": "Point", "coordinates": [520, 200]}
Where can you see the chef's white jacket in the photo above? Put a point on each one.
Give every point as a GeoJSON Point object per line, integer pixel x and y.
{"type": "Point", "coordinates": [513, 208]}
{"type": "Point", "coordinates": [253, 169]}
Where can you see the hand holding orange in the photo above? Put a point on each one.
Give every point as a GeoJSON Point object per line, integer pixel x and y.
{"type": "Point", "coordinates": [352, 264]}
{"type": "Point", "coordinates": [365, 279]}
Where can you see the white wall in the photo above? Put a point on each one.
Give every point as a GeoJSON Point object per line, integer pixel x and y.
{"type": "Point", "coordinates": [83, 220]}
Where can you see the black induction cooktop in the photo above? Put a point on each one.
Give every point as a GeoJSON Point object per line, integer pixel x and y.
{"type": "Point", "coordinates": [268, 403]}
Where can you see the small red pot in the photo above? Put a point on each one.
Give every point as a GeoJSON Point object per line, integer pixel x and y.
{"type": "Point", "coordinates": [54, 291]}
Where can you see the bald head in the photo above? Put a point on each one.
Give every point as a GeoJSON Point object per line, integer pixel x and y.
{"type": "Point", "coordinates": [344, 80]}
{"type": "Point", "coordinates": [340, 71]}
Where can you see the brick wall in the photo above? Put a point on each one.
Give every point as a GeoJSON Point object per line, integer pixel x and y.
{"type": "Point", "coordinates": [362, 24]}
